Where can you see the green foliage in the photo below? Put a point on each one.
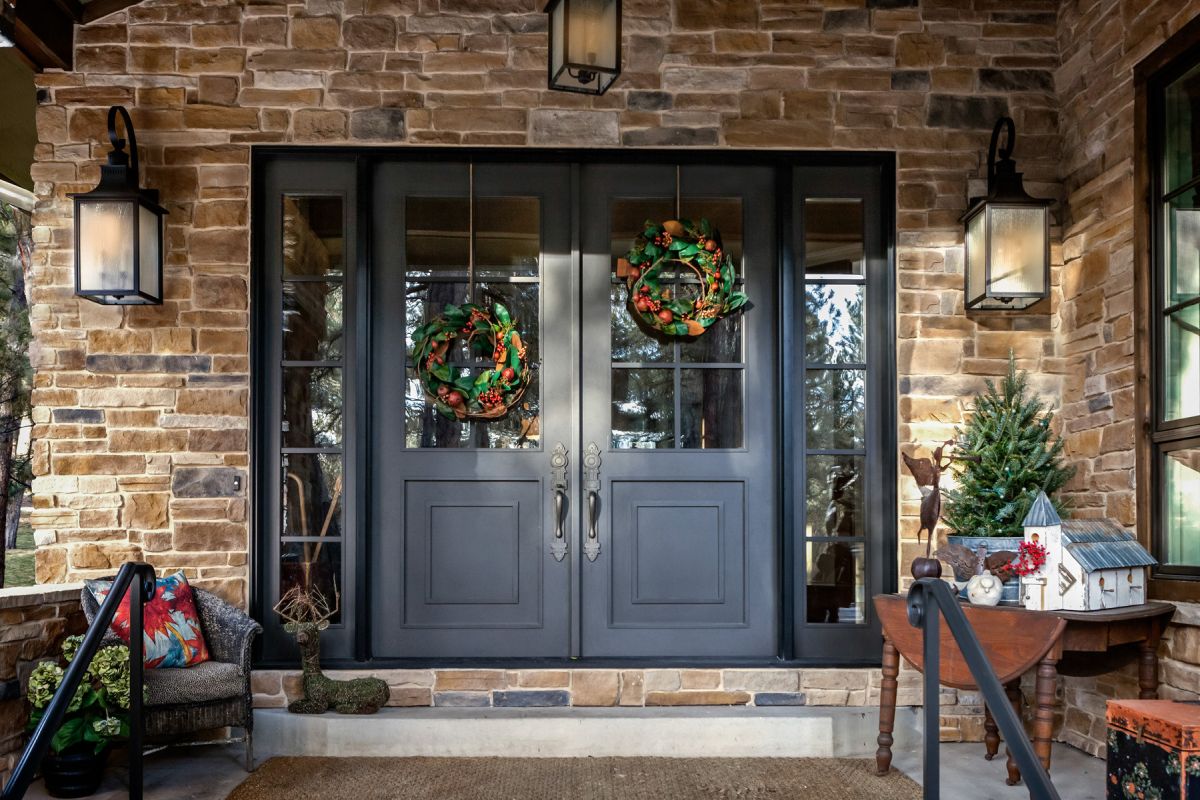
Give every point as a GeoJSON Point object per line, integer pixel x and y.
{"type": "Point", "coordinates": [1008, 453]}
{"type": "Point", "coordinates": [16, 374]}
{"type": "Point", "coordinates": [99, 711]}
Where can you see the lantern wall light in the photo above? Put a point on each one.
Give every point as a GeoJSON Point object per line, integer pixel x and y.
{"type": "Point", "coordinates": [1007, 238]}
{"type": "Point", "coordinates": [119, 229]}
{"type": "Point", "coordinates": [585, 45]}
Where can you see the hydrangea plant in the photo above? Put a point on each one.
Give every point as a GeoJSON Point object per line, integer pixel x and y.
{"type": "Point", "coordinates": [99, 712]}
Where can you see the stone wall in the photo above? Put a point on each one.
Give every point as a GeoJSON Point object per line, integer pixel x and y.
{"type": "Point", "coordinates": [1100, 42]}
{"type": "Point", "coordinates": [33, 623]}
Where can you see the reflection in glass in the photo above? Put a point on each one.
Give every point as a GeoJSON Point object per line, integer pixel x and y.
{"type": "Point", "coordinates": [312, 406]}
{"type": "Point", "coordinates": [630, 342]}
{"type": "Point", "coordinates": [424, 427]}
{"type": "Point", "coordinates": [437, 233]}
{"type": "Point", "coordinates": [710, 408]}
{"type": "Point", "coordinates": [720, 344]}
{"type": "Point", "coordinates": [833, 324]}
{"type": "Point", "coordinates": [833, 236]}
{"type": "Point", "coordinates": [834, 496]}
{"type": "Point", "coordinates": [1183, 248]}
{"type": "Point", "coordinates": [643, 408]}
{"type": "Point", "coordinates": [312, 321]}
{"type": "Point", "coordinates": [834, 412]}
{"type": "Point", "coordinates": [629, 217]}
{"type": "Point", "coordinates": [312, 494]}
{"type": "Point", "coordinates": [725, 214]}
{"type": "Point", "coordinates": [313, 241]}
{"type": "Point", "coordinates": [1181, 486]}
{"type": "Point", "coordinates": [508, 236]}
{"type": "Point", "coordinates": [1182, 122]}
{"type": "Point", "coordinates": [313, 565]}
{"type": "Point", "coordinates": [836, 581]}
{"type": "Point", "coordinates": [1181, 364]}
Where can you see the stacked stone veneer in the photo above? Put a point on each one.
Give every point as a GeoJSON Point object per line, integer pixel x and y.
{"type": "Point", "coordinates": [141, 438]}
{"type": "Point", "coordinates": [33, 623]}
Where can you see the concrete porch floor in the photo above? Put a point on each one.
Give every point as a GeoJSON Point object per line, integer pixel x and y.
{"type": "Point", "coordinates": [210, 773]}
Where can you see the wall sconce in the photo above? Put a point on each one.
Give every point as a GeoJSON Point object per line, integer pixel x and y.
{"type": "Point", "coordinates": [1007, 236]}
{"type": "Point", "coordinates": [119, 230]}
{"type": "Point", "coordinates": [585, 45]}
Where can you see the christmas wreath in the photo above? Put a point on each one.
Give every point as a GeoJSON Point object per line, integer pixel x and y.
{"type": "Point", "coordinates": [694, 246]}
{"type": "Point", "coordinates": [490, 334]}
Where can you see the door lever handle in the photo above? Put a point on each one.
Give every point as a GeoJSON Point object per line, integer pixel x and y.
{"type": "Point", "coordinates": [591, 484]}
{"type": "Point", "coordinates": [558, 472]}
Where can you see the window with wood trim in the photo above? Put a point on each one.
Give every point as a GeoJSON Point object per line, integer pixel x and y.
{"type": "Point", "coordinates": [1174, 138]}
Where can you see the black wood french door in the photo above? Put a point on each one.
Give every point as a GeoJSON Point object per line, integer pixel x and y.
{"type": "Point", "coordinates": [724, 497]}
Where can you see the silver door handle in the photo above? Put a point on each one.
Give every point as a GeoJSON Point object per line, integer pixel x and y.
{"type": "Point", "coordinates": [591, 484]}
{"type": "Point", "coordinates": [559, 497]}
{"type": "Point", "coordinates": [558, 473]}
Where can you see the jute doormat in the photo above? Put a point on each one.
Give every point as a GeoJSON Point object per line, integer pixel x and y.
{"type": "Point", "coordinates": [573, 778]}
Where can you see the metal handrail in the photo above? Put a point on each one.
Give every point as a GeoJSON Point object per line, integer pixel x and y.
{"type": "Point", "coordinates": [926, 598]}
{"type": "Point", "coordinates": [35, 751]}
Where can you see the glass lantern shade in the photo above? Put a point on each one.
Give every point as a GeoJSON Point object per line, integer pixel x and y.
{"type": "Point", "coordinates": [1008, 255]}
{"type": "Point", "coordinates": [585, 45]}
{"type": "Point", "coordinates": [119, 230]}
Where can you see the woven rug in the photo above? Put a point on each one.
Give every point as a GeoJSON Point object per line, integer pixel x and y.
{"type": "Point", "coordinates": [574, 778]}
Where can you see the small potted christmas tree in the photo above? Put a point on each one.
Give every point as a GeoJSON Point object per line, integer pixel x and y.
{"type": "Point", "coordinates": [1007, 453]}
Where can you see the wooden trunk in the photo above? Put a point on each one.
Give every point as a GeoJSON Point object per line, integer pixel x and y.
{"type": "Point", "coordinates": [1153, 750]}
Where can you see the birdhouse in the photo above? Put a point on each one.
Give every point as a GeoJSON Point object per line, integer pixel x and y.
{"type": "Point", "coordinates": [1091, 564]}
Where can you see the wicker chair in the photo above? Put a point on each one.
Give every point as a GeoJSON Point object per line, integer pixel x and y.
{"type": "Point", "coordinates": [184, 701]}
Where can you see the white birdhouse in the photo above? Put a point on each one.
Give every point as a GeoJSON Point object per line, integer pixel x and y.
{"type": "Point", "coordinates": [1091, 564]}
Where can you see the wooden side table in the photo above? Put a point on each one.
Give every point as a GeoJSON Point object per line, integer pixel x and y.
{"type": "Point", "coordinates": [1076, 643]}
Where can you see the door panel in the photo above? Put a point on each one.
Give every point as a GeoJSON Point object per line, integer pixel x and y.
{"type": "Point", "coordinates": [461, 524]}
{"type": "Point", "coordinates": [687, 564]}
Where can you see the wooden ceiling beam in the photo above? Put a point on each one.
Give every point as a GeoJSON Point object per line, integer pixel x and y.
{"type": "Point", "coordinates": [42, 30]}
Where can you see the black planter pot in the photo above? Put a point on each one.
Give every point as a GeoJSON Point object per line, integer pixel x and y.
{"type": "Point", "coordinates": [74, 774]}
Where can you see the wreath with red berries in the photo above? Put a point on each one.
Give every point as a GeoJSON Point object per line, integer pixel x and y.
{"type": "Point", "coordinates": [674, 244]}
{"type": "Point", "coordinates": [489, 334]}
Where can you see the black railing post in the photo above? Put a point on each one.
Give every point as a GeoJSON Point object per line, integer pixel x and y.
{"type": "Point", "coordinates": [48, 725]}
{"type": "Point", "coordinates": [926, 598]}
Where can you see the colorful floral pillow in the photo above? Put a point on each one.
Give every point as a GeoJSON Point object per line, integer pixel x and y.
{"type": "Point", "coordinates": [172, 627]}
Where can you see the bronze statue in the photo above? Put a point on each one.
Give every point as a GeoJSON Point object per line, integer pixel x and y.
{"type": "Point", "coordinates": [928, 474]}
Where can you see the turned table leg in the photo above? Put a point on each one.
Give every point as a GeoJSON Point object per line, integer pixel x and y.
{"type": "Point", "coordinates": [1013, 690]}
{"type": "Point", "coordinates": [1043, 726]}
{"type": "Point", "coordinates": [1148, 670]}
{"type": "Point", "coordinates": [887, 707]}
{"type": "Point", "coordinates": [991, 734]}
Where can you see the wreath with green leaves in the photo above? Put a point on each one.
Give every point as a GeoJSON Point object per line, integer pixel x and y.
{"type": "Point", "coordinates": [675, 244]}
{"type": "Point", "coordinates": [490, 334]}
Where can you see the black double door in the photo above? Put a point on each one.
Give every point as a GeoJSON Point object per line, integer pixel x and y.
{"type": "Point", "coordinates": [631, 506]}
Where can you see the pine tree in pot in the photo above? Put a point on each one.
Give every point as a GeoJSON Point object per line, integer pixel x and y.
{"type": "Point", "coordinates": [1008, 453]}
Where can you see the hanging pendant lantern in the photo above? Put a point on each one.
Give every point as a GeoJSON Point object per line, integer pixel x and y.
{"type": "Point", "coordinates": [1007, 236]}
{"type": "Point", "coordinates": [119, 230]}
{"type": "Point", "coordinates": [585, 45]}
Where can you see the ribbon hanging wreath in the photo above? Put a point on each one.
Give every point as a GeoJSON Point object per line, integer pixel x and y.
{"type": "Point", "coordinates": [696, 247]}
{"type": "Point", "coordinates": [490, 334]}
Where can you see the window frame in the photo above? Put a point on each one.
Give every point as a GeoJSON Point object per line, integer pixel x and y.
{"type": "Point", "coordinates": [1156, 436]}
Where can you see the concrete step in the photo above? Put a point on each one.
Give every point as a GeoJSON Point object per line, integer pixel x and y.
{"type": "Point", "coordinates": [742, 732]}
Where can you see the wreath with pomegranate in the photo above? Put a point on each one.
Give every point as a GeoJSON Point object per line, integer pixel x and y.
{"type": "Point", "coordinates": [673, 245]}
{"type": "Point", "coordinates": [490, 334]}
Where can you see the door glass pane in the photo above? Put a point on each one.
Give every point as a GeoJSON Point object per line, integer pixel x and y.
{"type": "Point", "coordinates": [1181, 364]}
{"type": "Point", "coordinates": [521, 300]}
{"type": "Point", "coordinates": [313, 240]}
{"type": "Point", "coordinates": [629, 217]}
{"type": "Point", "coordinates": [833, 237]}
{"type": "Point", "coordinates": [836, 582]}
{"type": "Point", "coordinates": [312, 494]}
{"type": "Point", "coordinates": [834, 409]}
{"type": "Point", "coordinates": [312, 406]}
{"type": "Point", "coordinates": [1181, 484]}
{"type": "Point", "coordinates": [425, 300]}
{"type": "Point", "coordinates": [1183, 130]}
{"type": "Point", "coordinates": [312, 321]}
{"type": "Point", "coordinates": [1183, 248]}
{"type": "Point", "coordinates": [834, 496]}
{"type": "Point", "coordinates": [710, 408]}
{"type": "Point", "coordinates": [643, 408]}
{"type": "Point", "coordinates": [630, 342]}
{"type": "Point", "coordinates": [426, 427]}
{"type": "Point", "coordinates": [313, 565]}
{"type": "Point", "coordinates": [437, 234]}
{"type": "Point", "coordinates": [725, 215]}
{"type": "Point", "coordinates": [833, 324]}
{"type": "Point", "coordinates": [720, 344]}
{"type": "Point", "coordinates": [508, 236]}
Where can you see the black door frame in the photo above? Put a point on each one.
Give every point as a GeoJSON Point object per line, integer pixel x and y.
{"type": "Point", "coordinates": [881, 515]}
